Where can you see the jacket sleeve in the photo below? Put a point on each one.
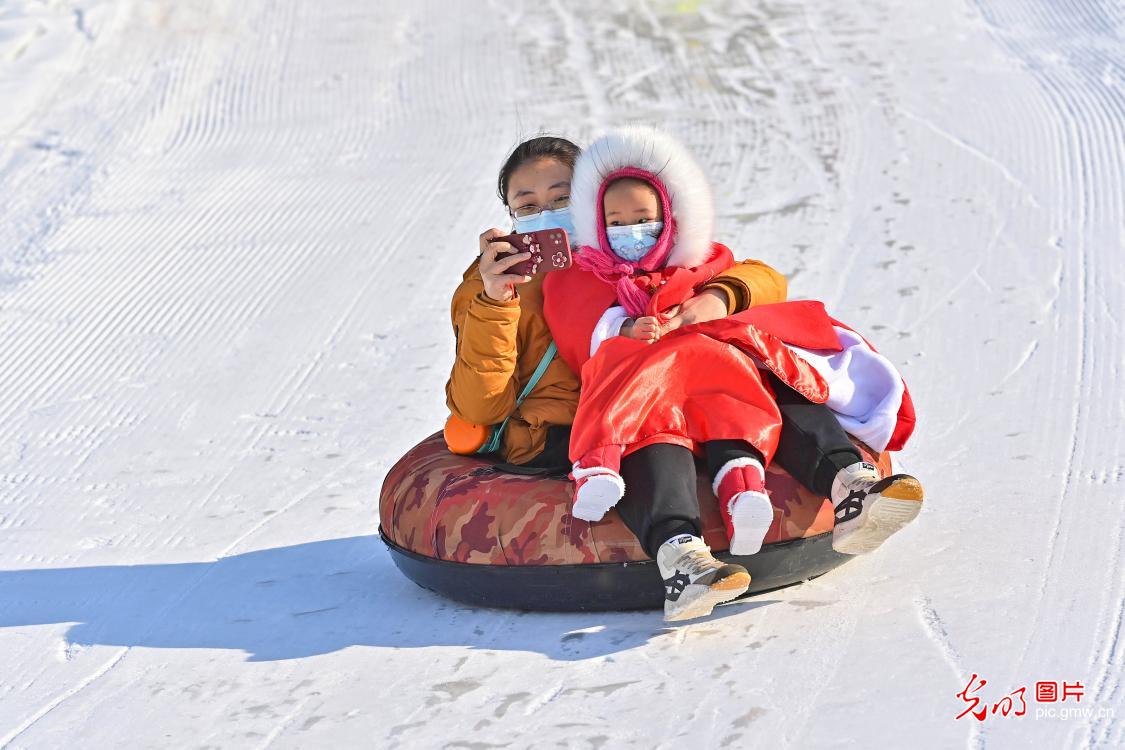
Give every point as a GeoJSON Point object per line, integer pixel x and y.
{"type": "Point", "coordinates": [749, 283]}
{"type": "Point", "coordinates": [482, 385]}
{"type": "Point", "coordinates": [608, 326]}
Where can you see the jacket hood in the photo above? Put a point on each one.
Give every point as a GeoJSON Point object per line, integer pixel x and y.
{"type": "Point", "coordinates": [663, 162]}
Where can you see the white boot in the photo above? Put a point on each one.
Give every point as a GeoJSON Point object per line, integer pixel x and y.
{"type": "Point", "coordinates": [694, 581]}
{"type": "Point", "coordinates": [596, 490]}
{"type": "Point", "coordinates": [740, 486]}
{"type": "Point", "coordinates": [868, 508]}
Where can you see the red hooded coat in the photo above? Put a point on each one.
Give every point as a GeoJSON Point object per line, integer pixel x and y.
{"type": "Point", "coordinates": [693, 385]}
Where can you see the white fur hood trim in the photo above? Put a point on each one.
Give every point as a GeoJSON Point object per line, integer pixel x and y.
{"type": "Point", "coordinates": [646, 148]}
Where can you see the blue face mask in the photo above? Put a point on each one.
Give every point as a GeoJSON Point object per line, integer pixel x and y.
{"type": "Point", "coordinates": [557, 219]}
{"type": "Point", "coordinates": [635, 241]}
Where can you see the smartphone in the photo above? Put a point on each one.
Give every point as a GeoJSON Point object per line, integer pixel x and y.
{"type": "Point", "coordinates": [549, 248]}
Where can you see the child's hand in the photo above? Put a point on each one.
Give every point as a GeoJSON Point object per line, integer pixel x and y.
{"type": "Point", "coordinates": [647, 328]}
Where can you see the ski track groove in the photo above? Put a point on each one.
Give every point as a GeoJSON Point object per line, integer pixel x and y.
{"type": "Point", "coordinates": [973, 272]}
{"type": "Point", "coordinates": [1096, 136]}
{"type": "Point", "coordinates": [80, 282]}
{"type": "Point", "coordinates": [56, 363]}
{"type": "Point", "coordinates": [936, 631]}
{"type": "Point", "coordinates": [1004, 170]}
{"type": "Point", "coordinates": [158, 619]}
{"type": "Point", "coordinates": [66, 695]}
{"type": "Point", "coordinates": [140, 307]}
{"type": "Point", "coordinates": [129, 318]}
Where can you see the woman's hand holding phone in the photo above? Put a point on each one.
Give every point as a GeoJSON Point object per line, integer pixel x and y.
{"type": "Point", "coordinates": [495, 259]}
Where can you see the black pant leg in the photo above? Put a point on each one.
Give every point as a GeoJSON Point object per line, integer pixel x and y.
{"type": "Point", "coordinates": [660, 495]}
{"type": "Point", "coordinates": [718, 452]}
{"type": "Point", "coordinates": [813, 446]}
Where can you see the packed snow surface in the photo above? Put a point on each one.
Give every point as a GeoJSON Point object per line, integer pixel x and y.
{"type": "Point", "coordinates": [229, 232]}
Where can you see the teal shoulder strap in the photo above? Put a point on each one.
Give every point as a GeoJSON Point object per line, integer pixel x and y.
{"type": "Point", "coordinates": [493, 443]}
{"type": "Point", "coordinates": [541, 368]}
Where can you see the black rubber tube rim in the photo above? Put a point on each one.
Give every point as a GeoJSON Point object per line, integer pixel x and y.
{"type": "Point", "coordinates": [600, 587]}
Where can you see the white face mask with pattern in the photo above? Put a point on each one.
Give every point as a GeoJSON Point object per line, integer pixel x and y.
{"type": "Point", "coordinates": [634, 241]}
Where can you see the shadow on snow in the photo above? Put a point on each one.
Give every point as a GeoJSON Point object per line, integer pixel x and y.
{"type": "Point", "coordinates": [303, 600]}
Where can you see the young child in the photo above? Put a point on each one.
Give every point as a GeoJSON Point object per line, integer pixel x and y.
{"type": "Point", "coordinates": [643, 220]}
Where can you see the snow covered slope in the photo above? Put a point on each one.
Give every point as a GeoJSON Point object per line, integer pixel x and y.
{"type": "Point", "coordinates": [228, 236]}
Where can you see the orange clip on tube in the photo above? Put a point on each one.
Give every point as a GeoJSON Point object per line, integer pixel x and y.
{"type": "Point", "coordinates": [464, 438]}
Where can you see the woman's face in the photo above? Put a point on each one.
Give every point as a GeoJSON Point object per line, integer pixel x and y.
{"type": "Point", "coordinates": [541, 183]}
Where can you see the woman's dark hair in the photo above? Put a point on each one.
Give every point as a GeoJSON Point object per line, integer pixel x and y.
{"type": "Point", "coordinates": [541, 147]}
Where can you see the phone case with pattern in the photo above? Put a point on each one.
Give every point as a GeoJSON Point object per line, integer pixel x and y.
{"type": "Point", "coordinates": [549, 248]}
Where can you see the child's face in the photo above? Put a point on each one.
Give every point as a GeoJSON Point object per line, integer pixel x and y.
{"type": "Point", "coordinates": [630, 201]}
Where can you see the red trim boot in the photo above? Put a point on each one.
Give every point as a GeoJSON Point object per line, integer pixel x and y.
{"type": "Point", "coordinates": [747, 511]}
{"type": "Point", "coordinates": [599, 485]}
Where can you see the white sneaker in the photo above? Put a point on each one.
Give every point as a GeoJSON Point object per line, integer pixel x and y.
{"type": "Point", "coordinates": [596, 490]}
{"type": "Point", "coordinates": [694, 581]}
{"type": "Point", "coordinates": [868, 508]}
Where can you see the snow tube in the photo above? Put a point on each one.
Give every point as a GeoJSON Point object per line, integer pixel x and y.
{"type": "Point", "coordinates": [463, 528]}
